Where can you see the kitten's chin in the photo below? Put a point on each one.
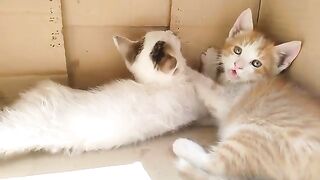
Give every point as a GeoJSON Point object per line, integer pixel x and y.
{"type": "Point", "coordinates": [233, 78]}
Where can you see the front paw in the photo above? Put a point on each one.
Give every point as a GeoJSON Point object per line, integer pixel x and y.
{"type": "Point", "coordinates": [210, 63]}
{"type": "Point", "coordinates": [209, 56]}
{"type": "Point", "coordinates": [185, 148]}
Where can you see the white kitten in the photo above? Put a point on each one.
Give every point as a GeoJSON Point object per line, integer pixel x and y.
{"type": "Point", "coordinates": [55, 118]}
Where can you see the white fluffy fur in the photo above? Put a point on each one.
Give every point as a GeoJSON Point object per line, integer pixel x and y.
{"type": "Point", "coordinates": [54, 118]}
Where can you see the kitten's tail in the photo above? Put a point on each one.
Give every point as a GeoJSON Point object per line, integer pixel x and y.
{"type": "Point", "coordinates": [26, 125]}
{"type": "Point", "coordinates": [10, 143]}
{"type": "Point", "coordinates": [16, 140]}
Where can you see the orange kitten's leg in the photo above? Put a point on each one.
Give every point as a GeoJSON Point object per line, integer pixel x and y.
{"type": "Point", "coordinates": [188, 171]}
{"type": "Point", "coordinates": [212, 94]}
{"type": "Point", "coordinates": [210, 63]}
{"type": "Point", "coordinates": [229, 160]}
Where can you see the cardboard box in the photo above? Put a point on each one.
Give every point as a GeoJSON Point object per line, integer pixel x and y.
{"type": "Point", "coordinates": [70, 41]}
{"type": "Point", "coordinates": [288, 20]}
{"type": "Point", "coordinates": [32, 45]}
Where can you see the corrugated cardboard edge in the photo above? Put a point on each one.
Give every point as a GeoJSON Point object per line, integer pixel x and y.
{"type": "Point", "coordinates": [46, 57]}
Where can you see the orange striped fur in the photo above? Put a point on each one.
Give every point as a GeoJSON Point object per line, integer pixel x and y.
{"type": "Point", "coordinates": [272, 132]}
{"type": "Point", "coordinates": [268, 127]}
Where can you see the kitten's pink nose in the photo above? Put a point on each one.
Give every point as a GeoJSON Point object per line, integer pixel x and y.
{"type": "Point", "coordinates": [238, 65]}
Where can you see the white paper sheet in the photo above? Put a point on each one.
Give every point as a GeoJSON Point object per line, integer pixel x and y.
{"type": "Point", "coordinates": [122, 172]}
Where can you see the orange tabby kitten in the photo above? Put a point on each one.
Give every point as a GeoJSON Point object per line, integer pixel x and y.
{"type": "Point", "coordinates": [268, 128]}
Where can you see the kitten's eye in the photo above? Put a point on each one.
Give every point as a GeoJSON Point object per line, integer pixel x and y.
{"type": "Point", "coordinates": [237, 50]}
{"type": "Point", "coordinates": [256, 63]}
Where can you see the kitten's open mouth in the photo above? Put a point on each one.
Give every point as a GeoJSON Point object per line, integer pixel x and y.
{"type": "Point", "coordinates": [233, 73]}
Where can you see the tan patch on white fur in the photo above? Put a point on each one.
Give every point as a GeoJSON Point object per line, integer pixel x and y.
{"type": "Point", "coordinates": [162, 57]}
{"type": "Point", "coordinates": [167, 64]}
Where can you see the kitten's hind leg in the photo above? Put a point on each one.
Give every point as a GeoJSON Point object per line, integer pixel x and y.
{"type": "Point", "coordinates": [212, 164]}
{"type": "Point", "coordinates": [229, 160]}
{"type": "Point", "coordinates": [210, 63]}
{"type": "Point", "coordinates": [190, 151]}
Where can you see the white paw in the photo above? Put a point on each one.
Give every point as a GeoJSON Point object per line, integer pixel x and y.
{"type": "Point", "coordinates": [210, 61]}
{"type": "Point", "coordinates": [182, 164]}
{"type": "Point", "coordinates": [190, 171]}
{"type": "Point", "coordinates": [209, 56]}
{"type": "Point", "coordinates": [185, 148]}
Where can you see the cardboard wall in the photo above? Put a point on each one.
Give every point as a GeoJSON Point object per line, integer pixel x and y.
{"type": "Point", "coordinates": [35, 46]}
{"type": "Point", "coordinates": [31, 45]}
{"type": "Point", "coordinates": [288, 20]}
{"type": "Point", "coordinates": [88, 29]}
{"type": "Point", "coordinates": [204, 23]}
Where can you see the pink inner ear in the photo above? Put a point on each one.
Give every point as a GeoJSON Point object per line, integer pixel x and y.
{"type": "Point", "coordinates": [290, 50]}
{"type": "Point", "coordinates": [243, 23]}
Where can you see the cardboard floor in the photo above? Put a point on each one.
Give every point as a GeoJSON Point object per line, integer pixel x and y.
{"type": "Point", "coordinates": [156, 156]}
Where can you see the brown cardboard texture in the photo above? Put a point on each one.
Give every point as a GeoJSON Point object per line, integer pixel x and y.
{"type": "Point", "coordinates": [31, 39]}
{"type": "Point", "coordinates": [296, 20]}
{"type": "Point", "coordinates": [31, 42]}
{"type": "Point", "coordinates": [116, 13]}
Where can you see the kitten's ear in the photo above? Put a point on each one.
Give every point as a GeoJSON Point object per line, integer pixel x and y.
{"type": "Point", "coordinates": [288, 52]}
{"type": "Point", "coordinates": [162, 57]}
{"type": "Point", "coordinates": [127, 48]}
{"type": "Point", "coordinates": [243, 23]}
{"type": "Point", "coordinates": [168, 64]}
